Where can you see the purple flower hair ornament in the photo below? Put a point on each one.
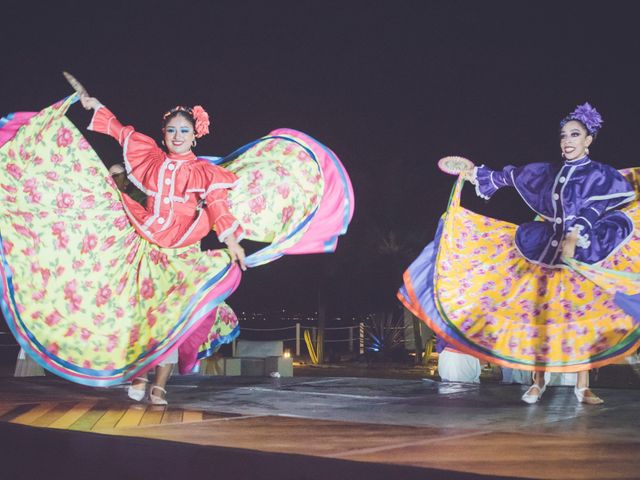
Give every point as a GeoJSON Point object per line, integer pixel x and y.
{"type": "Point", "coordinates": [587, 115]}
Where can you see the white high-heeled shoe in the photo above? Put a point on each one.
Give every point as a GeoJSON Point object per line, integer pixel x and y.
{"type": "Point", "coordinates": [137, 394]}
{"type": "Point", "coordinates": [157, 399]}
{"type": "Point", "coordinates": [530, 397]}
{"type": "Point", "coordinates": [588, 399]}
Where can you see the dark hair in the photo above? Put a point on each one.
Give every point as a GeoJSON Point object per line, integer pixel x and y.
{"type": "Point", "coordinates": [183, 112]}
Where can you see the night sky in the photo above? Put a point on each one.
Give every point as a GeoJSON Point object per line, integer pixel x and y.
{"type": "Point", "coordinates": [390, 86]}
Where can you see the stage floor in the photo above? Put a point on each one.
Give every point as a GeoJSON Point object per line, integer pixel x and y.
{"type": "Point", "coordinates": [447, 430]}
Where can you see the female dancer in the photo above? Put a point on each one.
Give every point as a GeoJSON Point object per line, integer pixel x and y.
{"type": "Point", "coordinates": [99, 289]}
{"type": "Point", "coordinates": [175, 182]}
{"type": "Point", "coordinates": [541, 296]}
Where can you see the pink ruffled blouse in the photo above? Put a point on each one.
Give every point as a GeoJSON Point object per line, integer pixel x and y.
{"type": "Point", "coordinates": [186, 196]}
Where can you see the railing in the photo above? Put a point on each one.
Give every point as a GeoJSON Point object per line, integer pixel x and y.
{"type": "Point", "coordinates": [298, 336]}
{"type": "Point", "coordinates": [358, 332]}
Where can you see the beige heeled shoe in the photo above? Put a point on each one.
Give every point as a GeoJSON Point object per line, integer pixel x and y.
{"type": "Point", "coordinates": [137, 394]}
{"type": "Point", "coordinates": [530, 397]}
{"type": "Point", "coordinates": [156, 399]}
{"type": "Point", "coordinates": [592, 399]}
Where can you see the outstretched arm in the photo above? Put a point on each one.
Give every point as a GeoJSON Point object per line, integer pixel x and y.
{"type": "Point", "coordinates": [141, 153]}
{"type": "Point", "coordinates": [488, 181]}
{"type": "Point", "coordinates": [104, 121]}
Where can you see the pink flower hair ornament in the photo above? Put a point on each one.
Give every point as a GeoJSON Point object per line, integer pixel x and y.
{"type": "Point", "coordinates": [201, 119]}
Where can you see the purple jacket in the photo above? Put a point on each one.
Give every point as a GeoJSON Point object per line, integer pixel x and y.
{"type": "Point", "coordinates": [580, 194]}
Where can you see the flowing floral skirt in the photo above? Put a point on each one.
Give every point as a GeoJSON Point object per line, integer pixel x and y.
{"type": "Point", "coordinates": [93, 302]}
{"type": "Point", "coordinates": [473, 288]}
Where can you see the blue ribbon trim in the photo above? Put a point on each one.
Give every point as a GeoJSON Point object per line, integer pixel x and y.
{"type": "Point", "coordinates": [216, 344]}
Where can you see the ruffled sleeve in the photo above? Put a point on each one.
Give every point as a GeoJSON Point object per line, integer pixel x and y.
{"type": "Point", "coordinates": [609, 192]}
{"type": "Point", "coordinates": [104, 121]}
{"type": "Point", "coordinates": [141, 153]}
{"type": "Point", "coordinates": [212, 186]}
{"type": "Point", "coordinates": [490, 181]}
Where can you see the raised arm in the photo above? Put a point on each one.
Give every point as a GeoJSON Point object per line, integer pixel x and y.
{"type": "Point", "coordinates": [141, 153]}
{"type": "Point", "coordinates": [489, 181]}
{"type": "Point", "coordinates": [104, 121]}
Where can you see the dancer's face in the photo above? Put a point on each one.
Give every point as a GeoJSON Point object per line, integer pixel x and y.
{"type": "Point", "coordinates": [574, 140]}
{"type": "Point", "coordinates": [178, 135]}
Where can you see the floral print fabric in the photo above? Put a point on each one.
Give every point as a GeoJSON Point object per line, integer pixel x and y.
{"type": "Point", "coordinates": [270, 202]}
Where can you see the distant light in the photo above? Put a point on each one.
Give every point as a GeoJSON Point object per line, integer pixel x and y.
{"type": "Point", "coordinates": [286, 353]}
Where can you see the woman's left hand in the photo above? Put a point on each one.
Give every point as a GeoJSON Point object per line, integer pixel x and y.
{"type": "Point", "coordinates": [569, 244]}
{"type": "Point", "coordinates": [236, 251]}
{"type": "Point", "coordinates": [89, 102]}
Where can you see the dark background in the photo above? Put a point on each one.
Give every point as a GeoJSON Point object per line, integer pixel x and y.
{"type": "Point", "coordinates": [390, 86]}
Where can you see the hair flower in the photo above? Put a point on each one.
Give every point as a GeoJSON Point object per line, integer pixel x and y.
{"type": "Point", "coordinates": [201, 118]}
{"type": "Point", "coordinates": [587, 115]}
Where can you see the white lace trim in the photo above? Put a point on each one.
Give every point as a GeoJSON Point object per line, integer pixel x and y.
{"type": "Point", "coordinates": [583, 240]}
{"type": "Point", "coordinates": [477, 185]}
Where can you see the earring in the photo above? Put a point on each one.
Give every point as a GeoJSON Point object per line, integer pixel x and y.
{"type": "Point", "coordinates": [194, 143]}
{"type": "Point", "coordinates": [562, 154]}
{"type": "Point", "coordinates": [586, 150]}
{"type": "Point", "coordinates": [163, 143]}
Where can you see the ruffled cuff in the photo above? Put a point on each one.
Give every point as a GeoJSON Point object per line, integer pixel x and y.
{"type": "Point", "coordinates": [583, 225]}
{"type": "Point", "coordinates": [222, 220]}
{"type": "Point", "coordinates": [583, 235]}
{"type": "Point", "coordinates": [92, 123]}
{"type": "Point", "coordinates": [104, 121]}
{"type": "Point", "coordinates": [485, 186]}
{"type": "Point", "coordinates": [234, 229]}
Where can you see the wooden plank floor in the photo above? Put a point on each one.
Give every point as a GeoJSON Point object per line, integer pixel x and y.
{"type": "Point", "coordinates": [100, 416]}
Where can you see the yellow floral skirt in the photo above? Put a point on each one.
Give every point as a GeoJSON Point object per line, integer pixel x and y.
{"type": "Point", "coordinates": [477, 292]}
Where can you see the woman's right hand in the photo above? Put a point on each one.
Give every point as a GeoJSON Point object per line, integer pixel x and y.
{"type": "Point", "coordinates": [89, 102]}
{"type": "Point", "coordinates": [469, 175]}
